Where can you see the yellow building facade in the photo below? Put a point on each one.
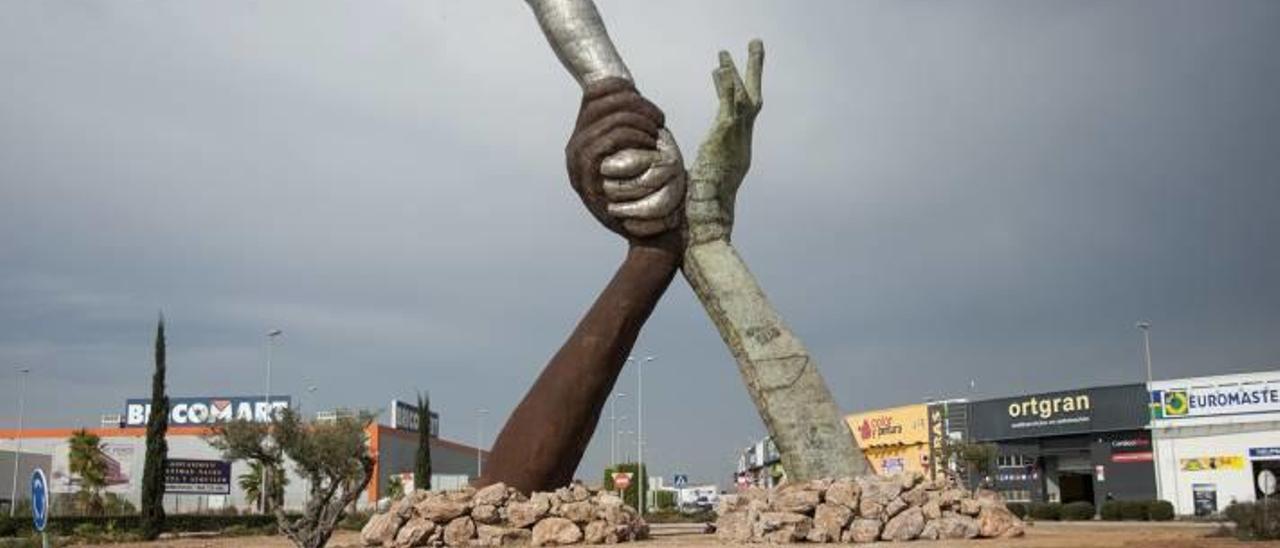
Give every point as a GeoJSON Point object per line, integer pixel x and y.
{"type": "Point", "coordinates": [894, 440]}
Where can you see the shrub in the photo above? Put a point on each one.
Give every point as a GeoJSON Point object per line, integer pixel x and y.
{"type": "Point", "coordinates": [1253, 521]}
{"type": "Point", "coordinates": [1018, 508]}
{"type": "Point", "coordinates": [1077, 511]}
{"type": "Point", "coordinates": [1133, 510]}
{"type": "Point", "coordinates": [1111, 511]}
{"type": "Point", "coordinates": [1160, 510]}
{"type": "Point", "coordinates": [8, 527]}
{"type": "Point", "coordinates": [1051, 511]}
{"type": "Point", "coordinates": [354, 521]}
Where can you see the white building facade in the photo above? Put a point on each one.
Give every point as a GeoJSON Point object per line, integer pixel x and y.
{"type": "Point", "coordinates": [1213, 437]}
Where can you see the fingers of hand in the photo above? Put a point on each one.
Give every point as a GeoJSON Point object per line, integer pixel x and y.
{"type": "Point", "coordinates": [755, 69]}
{"type": "Point", "coordinates": [625, 101]}
{"type": "Point", "coordinates": [628, 164]}
{"type": "Point", "coordinates": [620, 190]}
{"type": "Point", "coordinates": [657, 204]}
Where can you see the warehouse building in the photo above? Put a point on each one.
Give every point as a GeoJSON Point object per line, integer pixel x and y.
{"type": "Point", "coordinates": [1215, 437]}
{"type": "Point", "coordinates": [202, 480]}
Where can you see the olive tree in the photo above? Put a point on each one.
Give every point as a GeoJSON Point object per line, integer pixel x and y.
{"type": "Point", "coordinates": [332, 456]}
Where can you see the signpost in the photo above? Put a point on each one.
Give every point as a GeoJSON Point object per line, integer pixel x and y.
{"type": "Point", "coordinates": [680, 480]}
{"type": "Point", "coordinates": [1266, 484]}
{"type": "Point", "coordinates": [40, 503]}
{"type": "Point", "coordinates": [621, 480]}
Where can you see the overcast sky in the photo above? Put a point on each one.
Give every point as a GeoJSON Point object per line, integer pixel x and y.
{"type": "Point", "coordinates": [941, 192]}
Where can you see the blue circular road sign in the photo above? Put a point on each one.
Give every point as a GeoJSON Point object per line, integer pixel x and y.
{"type": "Point", "coordinates": [39, 499]}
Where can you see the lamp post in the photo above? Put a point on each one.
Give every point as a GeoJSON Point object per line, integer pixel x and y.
{"type": "Point", "coordinates": [613, 429]}
{"type": "Point", "coordinates": [1145, 327]}
{"type": "Point", "coordinates": [17, 452]}
{"type": "Point", "coordinates": [480, 413]}
{"type": "Point", "coordinates": [266, 408]}
{"type": "Point", "coordinates": [640, 475]}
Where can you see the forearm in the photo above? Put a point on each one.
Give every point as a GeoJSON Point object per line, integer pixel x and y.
{"type": "Point", "coordinates": [546, 435]}
{"type": "Point", "coordinates": [783, 380]}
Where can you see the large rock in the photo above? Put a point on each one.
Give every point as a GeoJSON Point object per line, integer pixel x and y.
{"type": "Point", "coordinates": [904, 526]}
{"type": "Point", "coordinates": [876, 493]}
{"type": "Point", "coordinates": [916, 496]}
{"type": "Point", "coordinates": [783, 527]}
{"type": "Point", "coordinates": [931, 510]}
{"type": "Point", "coordinates": [735, 526]}
{"type": "Point", "coordinates": [956, 527]}
{"type": "Point", "coordinates": [415, 533]}
{"type": "Point", "coordinates": [930, 531]}
{"type": "Point", "coordinates": [970, 507]}
{"type": "Point", "coordinates": [381, 529]}
{"type": "Point", "coordinates": [998, 521]}
{"type": "Point", "coordinates": [486, 513]}
{"type": "Point", "coordinates": [555, 532]}
{"type": "Point", "coordinates": [490, 535]}
{"type": "Point", "coordinates": [441, 509]}
{"type": "Point", "coordinates": [797, 499]}
{"type": "Point", "coordinates": [844, 492]}
{"type": "Point", "coordinates": [579, 492]}
{"type": "Point", "coordinates": [862, 530]}
{"type": "Point", "coordinates": [892, 509]}
{"type": "Point", "coordinates": [596, 532]}
{"type": "Point", "coordinates": [524, 514]}
{"type": "Point", "coordinates": [493, 495]}
{"type": "Point", "coordinates": [829, 521]}
{"type": "Point", "coordinates": [459, 531]}
{"type": "Point", "coordinates": [580, 513]}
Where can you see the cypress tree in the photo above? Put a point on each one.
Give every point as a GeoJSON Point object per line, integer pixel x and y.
{"type": "Point", "coordinates": [157, 447]}
{"type": "Point", "coordinates": [422, 461]}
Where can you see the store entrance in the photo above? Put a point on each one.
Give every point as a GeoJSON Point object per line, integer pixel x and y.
{"type": "Point", "coordinates": [1075, 487]}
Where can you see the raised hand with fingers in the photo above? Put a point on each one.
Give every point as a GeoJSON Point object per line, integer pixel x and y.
{"type": "Point", "coordinates": [725, 154]}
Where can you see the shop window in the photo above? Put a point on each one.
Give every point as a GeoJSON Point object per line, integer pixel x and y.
{"type": "Point", "coordinates": [1014, 461]}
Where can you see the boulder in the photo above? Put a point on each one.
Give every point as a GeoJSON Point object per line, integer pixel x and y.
{"type": "Point", "coordinates": [493, 495]}
{"type": "Point", "coordinates": [862, 530]}
{"type": "Point", "coordinates": [735, 527]}
{"type": "Point", "coordinates": [463, 494]}
{"type": "Point", "coordinates": [596, 532]}
{"type": "Point", "coordinates": [970, 507]}
{"type": "Point", "coordinates": [381, 529]}
{"type": "Point", "coordinates": [829, 521]}
{"type": "Point", "coordinates": [904, 526]}
{"type": "Point", "coordinates": [876, 493]}
{"type": "Point", "coordinates": [577, 512]}
{"type": "Point", "coordinates": [930, 531]}
{"type": "Point", "coordinates": [844, 492]}
{"type": "Point", "coordinates": [524, 514]}
{"type": "Point", "coordinates": [956, 527]}
{"type": "Point", "coordinates": [931, 510]}
{"type": "Point", "coordinates": [555, 532]}
{"type": "Point", "coordinates": [579, 493]}
{"type": "Point", "coordinates": [459, 532]}
{"type": "Point", "coordinates": [916, 496]}
{"type": "Point", "coordinates": [486, 513]}
{"type": "Point", "coordinates": [782, 527]}
{"type": "Point", "coordinates": [796, 499]}
{"type": "Point", "coordinates": [441, 509]}
{"type": "Point", "coordinates": [490, 535]}
{"type": "Point", "coordinates": [415, 533]}
{"type": "Point", "coordinates": [896, 505]}
{"type": "Point", "coordinates": [998, 521]}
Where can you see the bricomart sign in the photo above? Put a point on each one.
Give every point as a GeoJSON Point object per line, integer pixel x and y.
{"type": "Point", "coordinates": [1213, 400]}
{"type": "Point", "coordinates": [199, 411]}
{"type": "Point", "coordinates": [1057, 413]}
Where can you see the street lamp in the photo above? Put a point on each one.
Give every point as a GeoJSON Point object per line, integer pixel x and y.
{"type": "Point", "coordinates": [641, 476]}
{"type": "Point", "coordinates": [480, 413]}
{"type": "Point", "coordinates": [1145, 326]}
{"type": "Point", "coordinates": [266, 408]}
{"type": "Point", "coordinates": [613, 428]}
{"type": "Point", "coordinates": [17, 452]}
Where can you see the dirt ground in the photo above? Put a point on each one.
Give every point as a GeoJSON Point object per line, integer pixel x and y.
{"type": "Point", "coordinates": [1040, 535]}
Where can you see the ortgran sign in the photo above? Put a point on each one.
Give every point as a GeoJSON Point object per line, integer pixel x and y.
{"type": "Point", "coordinates": [198, 411]}
{"type": "Point", "coordinates": [1101, 409]}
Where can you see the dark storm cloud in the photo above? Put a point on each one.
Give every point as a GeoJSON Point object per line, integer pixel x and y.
{"type": "Point", "coordinates": [941, 193]}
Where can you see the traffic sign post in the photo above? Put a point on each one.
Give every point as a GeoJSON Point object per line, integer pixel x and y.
{"type": "Point", "coordinates": [1266, 484]}
{"type": "Point", "coordinates": [40, 504]}
{"type": "Point", "coordinates": [621, 480]}
{"type": "Point", "coordinates": [680, 480]}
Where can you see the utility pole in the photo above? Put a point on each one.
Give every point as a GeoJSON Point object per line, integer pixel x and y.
{"type": "Point", "coordinates": [641, 476]}
{"type": "Point", "coordinates": [613, 429]}
{"type": "Point", "coordinates": [17, 452]}
{"type": "Point", "coordinates": [266, 404]}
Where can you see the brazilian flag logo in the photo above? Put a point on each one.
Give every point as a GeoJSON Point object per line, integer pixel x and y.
{"type": "Point", "coordinates": [1175, 403]}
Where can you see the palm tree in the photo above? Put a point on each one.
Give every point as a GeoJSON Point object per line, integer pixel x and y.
{"type": "Point", "coordinates": [85, 460]}
{"type": "Point", "coordinates": [251, 483]}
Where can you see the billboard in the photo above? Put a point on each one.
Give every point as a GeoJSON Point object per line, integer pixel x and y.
{"type": "Point", "coordinates": [1237, 398]}
{"type": "Point", "coordinates": [197, 477]}
{"type": "Point", "coordinates": [404, 416]}
{"type": "Point", "coordinates": [199, 411]}
{"type": "Point", "coordinates": [906, 425]}
{"type": "Point", "coordinates": [121, 459]}
{"type": "Point", "coordinates": [1102, 409]}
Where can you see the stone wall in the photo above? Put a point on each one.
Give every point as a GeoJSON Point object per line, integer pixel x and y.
{"type": "Point", "coordinates": [498, 516]}
{"type": "Point", "coordinates": [864, 509]}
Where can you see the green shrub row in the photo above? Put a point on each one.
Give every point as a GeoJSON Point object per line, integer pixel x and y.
{"type": "Point", "coordinates": [1254, 520]}
{"type": "Point", "coordinates": [71, 525]}
{"type": "Point", "coordinates": [1114, 510]}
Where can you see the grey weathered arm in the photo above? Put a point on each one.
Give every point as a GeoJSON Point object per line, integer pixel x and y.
{"type": "Point", "coordinates": [781, 377]}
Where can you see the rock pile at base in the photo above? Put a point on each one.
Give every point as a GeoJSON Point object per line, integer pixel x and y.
{"type": "Point", "coordinates": [864, 509]}
{"type": "Point", "coordinates": [500, 516]}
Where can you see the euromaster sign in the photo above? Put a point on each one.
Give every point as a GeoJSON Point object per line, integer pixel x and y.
{"type": "Point", "coordinates": [1101, 409]}
{"type": "Point", "coordinates": [199, 411]}
{"type": "Point", "coordinates": [1181, 402]}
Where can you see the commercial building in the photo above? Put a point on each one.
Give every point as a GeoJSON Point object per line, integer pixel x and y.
{"type": "Point", "coordinates": [894, 440]}
{"type": "Point", "coordinates": [1215, 436]}
{"type": "Point", "coordinates": [201, 480]}
{"type": "Point", "coordinates": [1089, 444]}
